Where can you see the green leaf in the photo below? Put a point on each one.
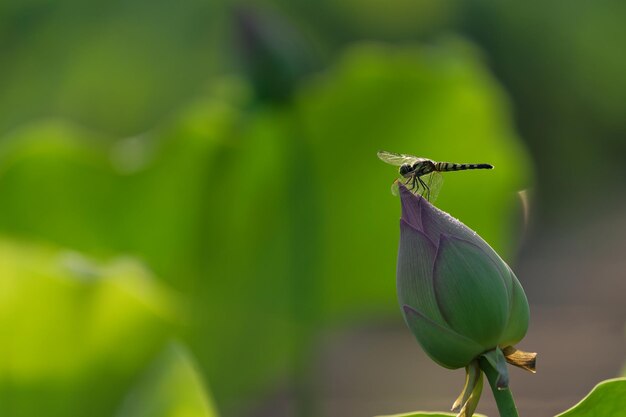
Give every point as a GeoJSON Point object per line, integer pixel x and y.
{"type": "Point", "coordinates": [76, 331]}
{"type": "Point", "coordinates": [608, 398]}
{"type": "Point", "coordinates": [172, 387]}
{"type": "Point", "coordinates": [168, 197]}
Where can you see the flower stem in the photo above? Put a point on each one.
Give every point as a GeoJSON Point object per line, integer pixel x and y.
{"type": "Point", "coordinates": [503, 397]}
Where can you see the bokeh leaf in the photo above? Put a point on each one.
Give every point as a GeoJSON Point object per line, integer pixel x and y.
{"type": "Point", "coordinates": [167, 196]}
{"type": "Point", "coordinates": [68, 323]}
{"type": "Point", "coordinates": [172, 387]}
{"type": "Point", "coordinates": [584, 103]}
{"type": "Point", "coordinates": [143, 57]}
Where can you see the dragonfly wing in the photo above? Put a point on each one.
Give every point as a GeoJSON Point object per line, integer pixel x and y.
{"type": "Point", "coordinates": [397, 159]}
{"type": "Point", "coordinates": [395, 190]}
{"type": "Point", "coordinates": [395, 187]}
{"type": "Point", "coordinates": [434, 180]}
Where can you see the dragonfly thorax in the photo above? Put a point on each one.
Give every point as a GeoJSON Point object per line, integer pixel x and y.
{"type": "Point", "coordinates": [423, 167]}
{"type": "Point", "coordinates": [417, 169]}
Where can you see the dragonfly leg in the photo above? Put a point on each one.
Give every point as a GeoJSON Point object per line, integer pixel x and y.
{"type": "Point", "coordinates": [426, 188]}
{"type": "Point", "coordinates": [410, 180]}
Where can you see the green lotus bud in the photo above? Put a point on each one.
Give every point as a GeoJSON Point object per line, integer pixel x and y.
{"type": "Point", "coordinates": [459, 297]}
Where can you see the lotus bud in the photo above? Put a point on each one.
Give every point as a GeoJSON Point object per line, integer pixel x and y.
{"type": "Point", "coordinates": [459, 298]}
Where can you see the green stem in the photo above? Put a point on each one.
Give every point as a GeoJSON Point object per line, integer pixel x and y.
{"type": "Point", "coordinates": [503, 397]}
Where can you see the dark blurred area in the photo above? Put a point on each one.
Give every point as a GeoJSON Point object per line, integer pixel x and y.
{"type": "Point", "coordinates": [193, 220]}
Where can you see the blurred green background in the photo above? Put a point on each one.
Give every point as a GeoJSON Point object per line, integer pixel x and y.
{"type": "Point", "coordinates": [191, 203]}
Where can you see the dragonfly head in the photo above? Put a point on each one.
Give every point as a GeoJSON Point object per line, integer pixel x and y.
{"type": "Point", "coordinates": [405, 169]}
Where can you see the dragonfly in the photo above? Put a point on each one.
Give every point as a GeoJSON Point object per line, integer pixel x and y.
{"type": "Point", "coordinates": [422, 175]}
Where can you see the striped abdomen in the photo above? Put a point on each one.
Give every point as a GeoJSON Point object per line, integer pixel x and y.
{"type": "Point", "coordinates": [449, 166]}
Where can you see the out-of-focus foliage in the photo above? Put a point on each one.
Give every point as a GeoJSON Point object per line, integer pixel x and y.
{"type": "Point", "coordinates": [88, 60]}
{"type": "Point", "coordinates": [564, 66]}
{"type": "Point", "coordinates": [256, 196]}
{"type": "Point", "coordinates": [172, 387]}
{"type": "Point", "coordinates": [167, 197]}
{"type": "Point", "coordinates": [273, 54]}
{"type": "Point", "coordinates": [75, 332]}
{"type": "Point", "coordinates": [334, 24]}
{"type": "Point", "coordinates": [269, 220]}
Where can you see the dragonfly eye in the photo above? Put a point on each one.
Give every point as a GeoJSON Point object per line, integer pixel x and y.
{"type": "Point", "coordinates": [405, 169]}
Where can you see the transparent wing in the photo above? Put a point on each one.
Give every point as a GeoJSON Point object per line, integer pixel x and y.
{"type": "Point", "coordinates": [397, 159]}
{"type": "Point", "coordinates": [433, 181]}
{"type": "Point", "coordinates": [394, 188]}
